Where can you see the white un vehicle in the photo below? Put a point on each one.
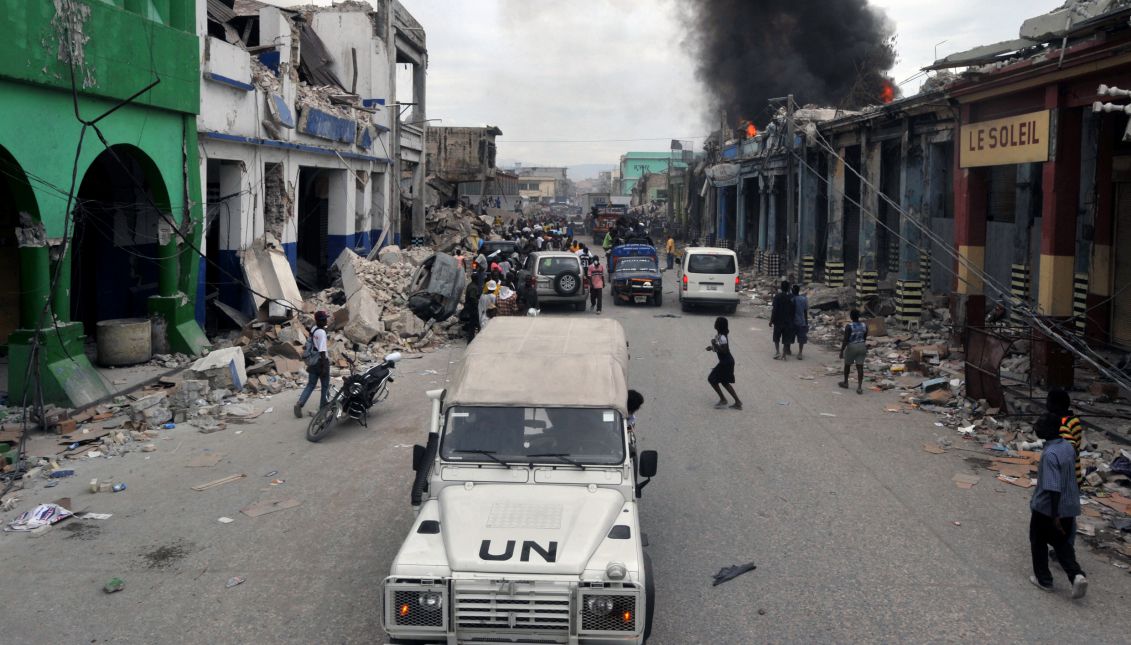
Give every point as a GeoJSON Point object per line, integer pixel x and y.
{"type": "Point", "coordinates": [527, 527]}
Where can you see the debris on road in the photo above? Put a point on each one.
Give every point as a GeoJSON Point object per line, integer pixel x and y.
{"type": "Point", "coordinates": [235, 580]}
{"type": "Point", "coordinates": [219, 482]}
{"type": "Point", "coordinates": [114, 585]}
{"type": "Point", "coordinates": [263, 508]}
{"type": "Point", "coordinates": [730, 573]}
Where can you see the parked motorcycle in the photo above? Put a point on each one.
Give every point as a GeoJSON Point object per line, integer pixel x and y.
{"type": "Point", "coordinates": [358, 393]}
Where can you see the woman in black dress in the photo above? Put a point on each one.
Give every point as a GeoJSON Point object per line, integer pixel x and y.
{"type": "Point", "coordinates": [723, 373]}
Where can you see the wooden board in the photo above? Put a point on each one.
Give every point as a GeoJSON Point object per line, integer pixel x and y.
{"type": "Point", "coordinates": [269, 506]}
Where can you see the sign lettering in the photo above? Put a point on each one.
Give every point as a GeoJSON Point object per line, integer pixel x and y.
{"type": "Point", "coordinates": [548, 553]}
{"type": "Point", "coordinates": [1013, 140]}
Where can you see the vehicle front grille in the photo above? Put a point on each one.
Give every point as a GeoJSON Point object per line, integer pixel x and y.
{"type": "Point", "coordinates": [512, 605]}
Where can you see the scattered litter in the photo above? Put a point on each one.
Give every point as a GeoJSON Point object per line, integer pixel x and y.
{"type": "Point", "coordinates": [783, 402]}
{"type": "Point", "coordinates": [42, 515]}
{"type": "Point", "coordinates": [119, 487]}
{"type": "Point", "coordinates": [95, 516]}
{"type": "Point", "coordinates": [963, 480]}
{"type": "Point", "coordinates": [225, 520]}
{"type": "Point", "coordinates": [265, 507]}
{"type": "Point", "coordinates": [235, 580]}
{"type": "Point", "coordinates": [828, 414]}
{"type": "Point", "coordinates": [114, 585]}
{"type": "Point", "coordinates": [732, 572]}
{"type": "Point", "coordinates": [1022, 482]}
{"type": "Point", "coordinates": [272, 473]}
{"type": "Point", "coordinates": [219, 482]}
{"type": "Point", "coordinates": [934, 449]}
{"type": "Point", "coordinates": [276, 482]}
{"type": "Point", "coordinates": [62, 473]}
{"type": "Point", "coordinates": [957, 523]}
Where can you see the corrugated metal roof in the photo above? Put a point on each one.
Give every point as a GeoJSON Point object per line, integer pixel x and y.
{"type": "Point", "coordinates": [220, 11]}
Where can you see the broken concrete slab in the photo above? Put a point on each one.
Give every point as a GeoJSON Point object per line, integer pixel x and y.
{"type": "Point", "coordinates": [364, 318]}
{"type": "Point", "coordinates": [269, 274]}
{"type": "Point", "coordinates": [222, 368]}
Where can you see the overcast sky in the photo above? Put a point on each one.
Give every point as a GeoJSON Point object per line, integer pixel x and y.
{"type": "Point", "coordinates": [593, 71]}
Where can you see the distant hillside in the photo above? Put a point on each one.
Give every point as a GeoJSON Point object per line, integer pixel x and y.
{"type": "Point", "coordinates": [588, 170]}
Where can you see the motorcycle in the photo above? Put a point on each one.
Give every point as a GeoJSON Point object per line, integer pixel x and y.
{"type": "Point", "coordinates": [358, 393]}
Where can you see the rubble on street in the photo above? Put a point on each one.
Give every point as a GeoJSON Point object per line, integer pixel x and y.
{"type": "Point", "coordinates": [927, 372]}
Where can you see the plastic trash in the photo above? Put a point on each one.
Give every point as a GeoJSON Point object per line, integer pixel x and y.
{"type": "Point", "coordinates": [62, 473]}
{"type": "Point", "coordinates": [114, 585]}
{"type": "Point", "coordinates": [169, 426]}
{"type": "Point", "coordinates": [119, 487]}
{"type": "Point", "coordinates": [235, 580]}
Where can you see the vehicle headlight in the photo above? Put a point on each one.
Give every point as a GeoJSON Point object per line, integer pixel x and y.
{"type": "Point", "coordinates": [600, 605]}
{"type": "Point", "coordinates": [616, 571]}
{"type": "Point", "coordinates": [430, 600]}
{"type": "Point", "coordinates": [355, 389]}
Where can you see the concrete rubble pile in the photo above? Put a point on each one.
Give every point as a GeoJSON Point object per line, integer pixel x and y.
{"type": "Point", "coordinates": [367, 306]}
{"type": "Point", "coordinates": [457, 228]}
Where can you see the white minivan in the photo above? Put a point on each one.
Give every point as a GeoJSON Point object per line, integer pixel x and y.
{"type": "Point", "coordinates": [708, 276]}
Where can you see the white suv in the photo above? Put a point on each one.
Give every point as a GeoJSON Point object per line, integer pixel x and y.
{"type": "Point", "coordinates": [708, 276]}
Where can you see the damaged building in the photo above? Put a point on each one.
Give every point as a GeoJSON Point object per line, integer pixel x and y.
{"type": "Point", "coordinates": [99, 221]}
{"type": "Point", "coordinates": [999, 190]}
{"type": "Point", "coordinates": [461, 163]}
{"type": "Point", "coordinates": [303, 147]}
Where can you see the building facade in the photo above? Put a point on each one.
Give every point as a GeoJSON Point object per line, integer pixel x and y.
{"type": "Point", "coordinates": [302, 145]}
{"type": "Point", "coordinates": [100, 221]}
{"type": "Point", "coordinates": [1002, 188]}
{"type": "Point", "coordinates": [635, 165]}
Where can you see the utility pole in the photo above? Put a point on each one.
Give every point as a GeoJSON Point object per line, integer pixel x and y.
{"type": "Point", "coordinates": [791, 235]}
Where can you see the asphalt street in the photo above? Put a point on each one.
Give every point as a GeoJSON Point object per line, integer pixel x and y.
{"type": "Point", "coordinates": [857, 533]}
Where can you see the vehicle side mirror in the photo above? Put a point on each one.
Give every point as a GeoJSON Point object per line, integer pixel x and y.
{"type": "Point", "coordinates": [418, 454]}
{"type": "Point", "coordinates": [648, 463]}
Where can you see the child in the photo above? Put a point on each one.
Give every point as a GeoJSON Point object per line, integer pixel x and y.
{"type": "Point", "coordinates": [723, 373]}
{"type": "Point", "coordinates": [853, 349]}
{"type": "Point", "coordinates": [1054, 508]}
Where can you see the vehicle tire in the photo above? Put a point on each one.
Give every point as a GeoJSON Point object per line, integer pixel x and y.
{"type": "Point", "coordinates": [567, 283]}
{"type": "Point", "coordinates": [579, 306]}
{"type": "Point", "coordinates": [322, 422]}
{"type": "Point", "coordinates": [616, 301]}
{"type": "Point", "coordinates": [732, 308]}
{"type": "Point", "coordinates": [658, 299]}
{"type": "Point", "coordinates": [649, 597]}
{"type": "Point", "coordinates": [683, 306]}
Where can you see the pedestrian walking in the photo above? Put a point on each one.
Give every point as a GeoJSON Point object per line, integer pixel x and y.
{"type": "Point", "coordinates": [1054, 507]}
{"type": "Point", "coordinates": [800, 319]}
{"type": "Point", "coordinates": [781, 320]}
{"type": "Point", "coordinates": [853, 349]}
{"type": "Point", "coordinates": [596, 284]}
{"type": "Point", "coordinates": [317, 361]}
{"type": "Point", "coordinates": [723, 373]}
{"type": "Point", "coordinates": [669, 247]}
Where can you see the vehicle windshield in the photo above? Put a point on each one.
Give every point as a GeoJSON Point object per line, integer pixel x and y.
{"type": "Point", "coordinates": [520, 435]}
{"type": "Point", "coordinates": [710, 263]}
{"type": "Point", "coordinates": [636, 264]}
{"type": "Point", "coordinates": [554, 266]}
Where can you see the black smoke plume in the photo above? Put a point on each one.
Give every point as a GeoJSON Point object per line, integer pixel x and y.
{"type": "Point", "coordinates": [833, 53]}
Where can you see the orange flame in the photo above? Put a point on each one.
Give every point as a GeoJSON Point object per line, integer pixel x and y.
{"type": "Point", "coordinates": [887, 95]}
{"type": "Point", "coordinates": [751, 130]}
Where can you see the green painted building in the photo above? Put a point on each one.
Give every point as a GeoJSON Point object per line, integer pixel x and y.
{"type": "Point", "coordinates": [96, 223]}
{"type": "Point", "coordinates": [634, 165]}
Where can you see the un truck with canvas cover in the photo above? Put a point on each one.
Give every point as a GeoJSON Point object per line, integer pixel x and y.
{"type": "Point", "coordinates": [527, 527]}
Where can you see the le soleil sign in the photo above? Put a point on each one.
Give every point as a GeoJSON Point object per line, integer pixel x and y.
{"type": "Point", "coordinates": [1013, 140]}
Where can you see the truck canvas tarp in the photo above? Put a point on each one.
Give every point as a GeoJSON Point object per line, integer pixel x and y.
{"type": "Point", "coordinates": [593, 352]}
